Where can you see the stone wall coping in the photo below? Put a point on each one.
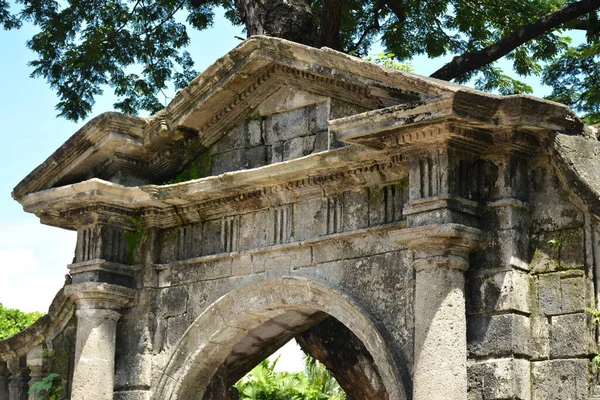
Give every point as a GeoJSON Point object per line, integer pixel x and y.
{"type": "Point", "coordinates": [44, 329]}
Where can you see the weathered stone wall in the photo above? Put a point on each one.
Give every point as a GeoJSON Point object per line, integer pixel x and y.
{"type": "Point", "coordinates": [529, 336]}
{"type": "Point", "coordinates": [267, 139]}
{"type": "Point", "coordinates": [339, 241]}
{"type": "Point", "coordinates": [562, 287]}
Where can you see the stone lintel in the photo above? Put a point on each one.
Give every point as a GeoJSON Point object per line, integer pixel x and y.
{"type": "Point", "coordinates": [100, 296]}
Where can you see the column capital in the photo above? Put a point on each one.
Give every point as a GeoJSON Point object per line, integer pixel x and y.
{"type": "Point", "coordinates": [441, 245]}
{"type": "Point", "coordinates": [93, 295]}
{"type": "Point", "coordinates": [440, 236]}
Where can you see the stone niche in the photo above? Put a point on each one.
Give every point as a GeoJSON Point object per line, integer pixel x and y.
{"type": "Point", "coordinates": [422, 239]}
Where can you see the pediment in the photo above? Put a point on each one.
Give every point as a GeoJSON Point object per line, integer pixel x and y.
{"type": "Point", "coordinates": [263, 76]}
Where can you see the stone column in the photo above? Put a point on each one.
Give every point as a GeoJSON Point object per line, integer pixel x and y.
{"type": "Point", "coordinates": [4, 374]}
{"type": "Point", "coordinates": [98, 306]}
{"type": "Point", "coordinates": [441, 255]}
{"type": "Point", "coordinates": [35, 363]}
{"type": "Point", "coordinates": [19, 386]}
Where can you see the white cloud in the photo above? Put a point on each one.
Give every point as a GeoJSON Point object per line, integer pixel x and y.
{"type": "Point", "coordinates": [16, 261]}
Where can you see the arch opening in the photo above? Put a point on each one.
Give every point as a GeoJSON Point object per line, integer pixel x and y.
{"type": "Point", "coordinates": [247, 325]}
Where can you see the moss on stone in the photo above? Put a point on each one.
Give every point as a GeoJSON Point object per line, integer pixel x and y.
{"type": "Point", "coordinates": [133, 238]}
{"type": "Point", "coordinates": [199, 168]}
{"type": "Point", "coordinates": [403, 183]}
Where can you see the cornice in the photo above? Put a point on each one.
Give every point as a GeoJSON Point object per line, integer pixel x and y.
{"type": "Point", "coordinates": [175, 204]}
{"type": "Point", "coordinates": [478, 120]}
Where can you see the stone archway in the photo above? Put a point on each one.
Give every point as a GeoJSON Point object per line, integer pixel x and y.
{"type": "Point", "coordinates": [234, 318]}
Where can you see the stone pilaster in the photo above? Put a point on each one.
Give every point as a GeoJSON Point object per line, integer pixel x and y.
{"type": "Point", "coordinates": [18, 388]}
{"type": "Point", "coordinates": [441, 255]}
{"type": "Point", "coordinates": [4, 375]}
{"type": "Point", "coordinates": [98, 306]}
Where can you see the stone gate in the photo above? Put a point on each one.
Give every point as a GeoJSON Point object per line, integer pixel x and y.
{"type": "Point", "coordinates": [422, 239]}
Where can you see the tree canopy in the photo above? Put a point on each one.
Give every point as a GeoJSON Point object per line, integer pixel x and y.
{"type": "Point", "coordinates": [314, 383]}
{"type": "Point", "coordinates": [138, 47]}
{"type": "Point", "coordinates": [13, 321]}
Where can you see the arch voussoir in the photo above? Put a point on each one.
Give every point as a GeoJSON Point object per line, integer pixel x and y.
{"type": "Point", "coordinates": [208, 341]}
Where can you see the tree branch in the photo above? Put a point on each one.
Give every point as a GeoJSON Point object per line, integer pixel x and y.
{"type": "Point", "coordinates": [578, 24]}
{"type": "Point", "coordinates": [165, 20]}
{"type": "Point", "coordinates": [398, 8]}
{"type": "Point", "coordinates": [373, 26]}
{"type": "Point", "coordinates": [471, 61]}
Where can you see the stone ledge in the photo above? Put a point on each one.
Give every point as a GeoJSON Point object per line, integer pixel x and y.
{"type": "Point", "coordinates": [99, 264]}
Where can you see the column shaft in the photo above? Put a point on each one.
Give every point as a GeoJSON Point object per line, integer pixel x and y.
{"type": "Point", "coordinates": [93, 378]}
{"type": "Point", "coordinates": [441, 256]}
{"type": "Point", "coordinates": [18, 388]}
{"type": "Point", "coordinates": [440, 335]}
{"type": "Point", "coordinates": [36, 364]}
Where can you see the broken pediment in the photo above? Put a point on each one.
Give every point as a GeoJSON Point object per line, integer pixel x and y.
{"type": "Point", "coordinates": [263, 78]}
{"type": "Point", "coordinates": [289, 124]}
{"type": "Point", "coordinates": [270, 101]}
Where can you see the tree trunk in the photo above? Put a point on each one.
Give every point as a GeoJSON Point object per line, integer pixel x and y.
{"type": "Point", "coordinates": [331, 343]}
{"type": "Point", "coordinates": [287, 19]}
{"type": "Point", "coordinates": [330, 24]}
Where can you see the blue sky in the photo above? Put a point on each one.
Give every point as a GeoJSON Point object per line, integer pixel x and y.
{"type": "Point", "coordinates": [33, 258]}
